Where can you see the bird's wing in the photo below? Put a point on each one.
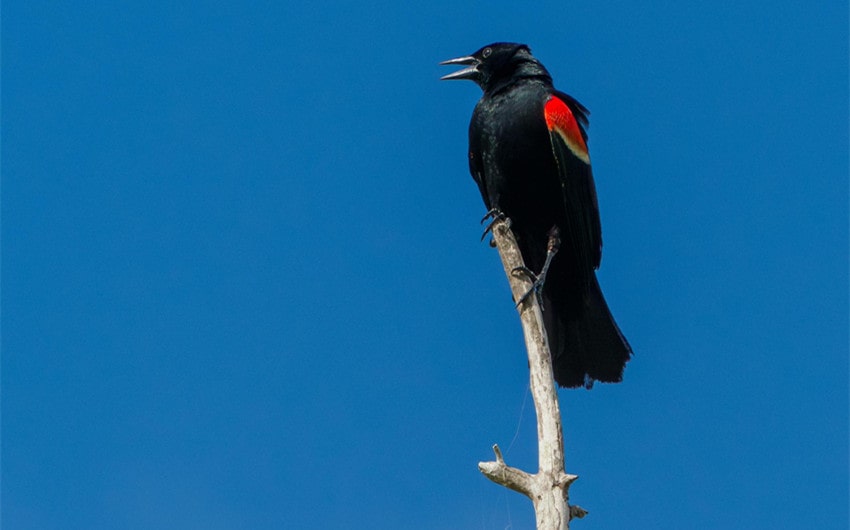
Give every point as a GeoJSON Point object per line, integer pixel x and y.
{"type": "Point", "coordinates": [566, 119]}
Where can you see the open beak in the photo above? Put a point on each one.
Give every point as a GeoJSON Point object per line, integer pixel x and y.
{"type": "Point", "coordinates": [469, 72]}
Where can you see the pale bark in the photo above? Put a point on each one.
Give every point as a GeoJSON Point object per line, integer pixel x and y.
{"type": "Point", "coordinates": [548, 488]}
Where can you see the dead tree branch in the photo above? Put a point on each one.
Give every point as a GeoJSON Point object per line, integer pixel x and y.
{"type": "Point", "coordinates": [548, 488]}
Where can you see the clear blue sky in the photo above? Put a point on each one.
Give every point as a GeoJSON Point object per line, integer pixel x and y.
{"type": "Point", "coordinates": [242, 285]}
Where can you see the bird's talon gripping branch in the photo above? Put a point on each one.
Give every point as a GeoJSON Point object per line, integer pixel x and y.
{"type": "Point", "coordinates": [524, 270]}
{"type": "Point", "coordinates": [537, 289]}
{"type": "Point", "coordinates": [538, 280]}
{"type": "Point", "coordinates": [536, 285]}
{"type": "Point", "coordinates": [493, 215]}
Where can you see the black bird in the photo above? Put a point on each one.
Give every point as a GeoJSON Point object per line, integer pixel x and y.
{"type": "Point", "coordinates": [528, 154]}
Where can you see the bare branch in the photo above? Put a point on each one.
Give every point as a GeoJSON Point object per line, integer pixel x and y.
{"type": "Point", "coordinates": [548, 488]}
{"type": "Point", "coordinates": [507, 476]}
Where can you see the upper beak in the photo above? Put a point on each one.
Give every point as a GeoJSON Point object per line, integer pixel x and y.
{"type": "Point", "coordinates": [466, 73]}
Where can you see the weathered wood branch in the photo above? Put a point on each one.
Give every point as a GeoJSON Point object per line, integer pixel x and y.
{"type": "Point", "coordinates": [548, 488]}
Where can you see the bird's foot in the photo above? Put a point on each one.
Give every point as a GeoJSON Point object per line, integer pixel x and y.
{"type": "Point", "coordinates": [493, 215]}
{"type": "Point", "coordinates": [539, 280]}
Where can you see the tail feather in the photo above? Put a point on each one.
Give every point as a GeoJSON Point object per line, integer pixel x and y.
{"type": "Point", "coordinates": [586, 345]}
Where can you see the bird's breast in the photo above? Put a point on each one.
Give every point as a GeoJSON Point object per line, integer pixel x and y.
{"type": "Point", "coordinates": [514, 141]}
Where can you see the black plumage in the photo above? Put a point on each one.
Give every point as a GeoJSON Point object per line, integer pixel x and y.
{"type": "Point", "coordinates": [528, 155]}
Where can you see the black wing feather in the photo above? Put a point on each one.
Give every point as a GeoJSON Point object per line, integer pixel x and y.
{"type": "Point", "coordinates": [582, 209]}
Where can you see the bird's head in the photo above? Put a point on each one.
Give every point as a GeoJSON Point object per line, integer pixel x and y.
{"type": "Point", "coordinates": [497, 64]}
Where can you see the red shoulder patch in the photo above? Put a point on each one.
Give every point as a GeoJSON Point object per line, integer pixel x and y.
{"type": "Point", "coordinates": [560, 119]}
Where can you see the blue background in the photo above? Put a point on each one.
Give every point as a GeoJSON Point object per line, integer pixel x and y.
{"type": "Point", "coordinates": [242, 285]}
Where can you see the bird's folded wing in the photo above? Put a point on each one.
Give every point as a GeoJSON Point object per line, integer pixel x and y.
{"type": "Point", "coordinates": [566, 119]}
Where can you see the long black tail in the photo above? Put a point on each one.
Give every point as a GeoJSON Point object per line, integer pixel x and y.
{"type": "Point", "coordinates": [586, 343]}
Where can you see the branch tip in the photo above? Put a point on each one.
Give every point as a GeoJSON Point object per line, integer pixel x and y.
{"type": "Point", "coordinates": [566, 479]}
{"type": "Point", "coordinates": [577, 512]}
{"type": "Point", "coordinates": [498, 452]}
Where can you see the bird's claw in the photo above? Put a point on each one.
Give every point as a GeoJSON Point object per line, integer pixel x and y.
{"type": "Point", "coordinates": [516, 271]}
{"type": "Point", "coordinates": [493, 215]}
{"type": "Point", "coordinates": [538, 280]}
{"type": "Point", "coordinates": [536, 285]}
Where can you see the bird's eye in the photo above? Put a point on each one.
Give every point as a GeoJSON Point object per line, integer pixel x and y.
{"type": "Point", "coordinates": [486, 53]}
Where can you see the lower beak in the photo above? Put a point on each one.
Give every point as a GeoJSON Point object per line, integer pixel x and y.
{"type": "Point", "coordinates": [466, 73]}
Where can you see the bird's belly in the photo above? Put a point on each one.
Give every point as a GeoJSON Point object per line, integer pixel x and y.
{"type": "Point", "coordinates": [530, 186]}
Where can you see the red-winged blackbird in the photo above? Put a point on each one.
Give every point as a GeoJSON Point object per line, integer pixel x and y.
{"type": "Point", "coordinates": [528, 155]}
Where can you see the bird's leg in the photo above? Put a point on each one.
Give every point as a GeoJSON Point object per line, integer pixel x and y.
{"type": "Point", "coordinates": [540, 279]}
{"type": "Point", "coordinates": [493, 215]}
